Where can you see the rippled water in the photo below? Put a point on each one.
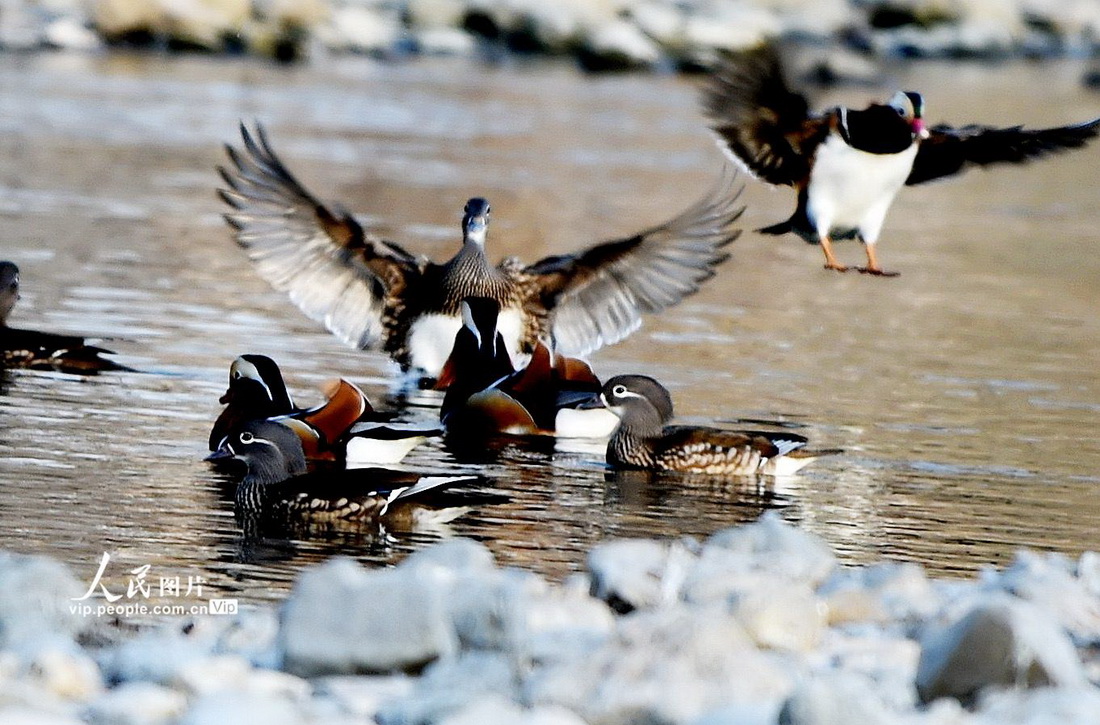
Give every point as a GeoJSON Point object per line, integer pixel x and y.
{"type": "Point", "coordinates": [965, 392]}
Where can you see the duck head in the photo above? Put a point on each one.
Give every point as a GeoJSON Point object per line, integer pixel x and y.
{"type": "Point", "coordinates": [256, 379]}
{"type": "Point", "coordinates": [641, 403]}
{"type": "Point", "coordinates": [9, 290]}
{"type": "Point", "coordinates": [910, 106]}
{"type": "Point", "coordinates": [271, 452]}
{"type": "Point", "coordinates": [475, 222]}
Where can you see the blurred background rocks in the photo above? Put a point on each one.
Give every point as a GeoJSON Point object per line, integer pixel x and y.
{"type": "Point", "coordinates": [601, 35]}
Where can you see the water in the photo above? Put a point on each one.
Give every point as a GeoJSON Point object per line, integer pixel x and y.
{"type": "Point", "coordinates": [965, 392]}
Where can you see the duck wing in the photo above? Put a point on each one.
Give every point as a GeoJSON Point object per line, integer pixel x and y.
{"type": "Point", "coordinates": [598, 296]}
{"type": "Point", "coordinates": [762, 123]}
{"type": "Point", "coordinates": [949, 150]}
{"type": "Point", "coordinates": [767, 444]}
{"type": "Point", "coordinates": [333, 271]}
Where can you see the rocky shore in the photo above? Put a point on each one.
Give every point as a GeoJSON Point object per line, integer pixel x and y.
{"type": "Point", "coordinates": [600, 34]}
{"type": "Point", "coordinates": [758, 625]}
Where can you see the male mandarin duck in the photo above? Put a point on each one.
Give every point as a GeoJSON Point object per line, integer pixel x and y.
{"type": "Point", "coordinates": [487, 396]}
{"type": "Point", "coordinates": [846, 164]}
{"type": "Point", "coordinates": [345, 428]}
{"type": "Point", "coordinates": [370, 292]}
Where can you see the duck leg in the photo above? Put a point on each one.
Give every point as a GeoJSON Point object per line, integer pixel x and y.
{"type": "Point", "coordinates": [830, 260]}
{"type": "Point", "coordinates": [873, 265]}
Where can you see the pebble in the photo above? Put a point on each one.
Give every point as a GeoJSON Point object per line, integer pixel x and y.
{"type": "Point", "coordinates": [138, 703]}
{"type": "Point", "coordinates": [1001, 642]}
{"type": "Point", "coordinates": [342, 619]}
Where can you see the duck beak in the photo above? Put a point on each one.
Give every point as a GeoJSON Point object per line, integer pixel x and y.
{"type": "Point", "coordinates": [591, 401]}
{"type": "Point", "coordinates": [224, 452]}
{"type": "Point", "coordinates": [919, 130]}
{"type": "Point", "coordinates": [224, 400]}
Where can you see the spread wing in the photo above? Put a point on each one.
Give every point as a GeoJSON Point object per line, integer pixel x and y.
{"type": "Point", "coordinates": [763, 123]}
{"type": "Point", "coordinates": [949, 150]}
{"type": "Point", "coordinates": [321, 257]}
{"type": "Point", "coordinates": [598, 296]}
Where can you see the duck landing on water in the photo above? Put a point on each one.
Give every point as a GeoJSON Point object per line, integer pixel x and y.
{"type": "Point", "coordinates": [846, 164]}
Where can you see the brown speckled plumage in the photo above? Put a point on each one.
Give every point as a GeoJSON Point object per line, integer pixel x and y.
{"type": "Point", "coordinates": [370, 292]}
{"type": "Point", "coordinates": [643, 440]}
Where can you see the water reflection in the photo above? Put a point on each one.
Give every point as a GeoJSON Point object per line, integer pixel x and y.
{"type": "Point", "coordinates": [964, 393]}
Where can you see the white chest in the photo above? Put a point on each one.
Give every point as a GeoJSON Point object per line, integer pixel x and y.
{"type": "Point", "coordinates": [851, 190]}
{"type": "Point", "coordinates": [431, 338]}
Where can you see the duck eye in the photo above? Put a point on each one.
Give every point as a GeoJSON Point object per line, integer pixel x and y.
{"type": "Point", "coordinates": [236, 374]}
{"type": "Point", "coordinates": [618, 390]}
{"type": "Point", "coordinates": [247, 437]}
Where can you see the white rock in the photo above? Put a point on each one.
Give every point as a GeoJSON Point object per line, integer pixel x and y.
{"type": "Point", "coordinates": [1050, 581]}
{"type": "Point", "coordinates": [620, 43]}
{"type": "Point", "coordinates": [340, 619]}
{"type": "Point", "coordinates": [1049, 706]}
{"type": "Point", "coordinates": [444, 41]}
{"type": "Point", "coordinates": [71, 33]}
{"type": "Point", "coordinates": [638, 573]}
{"type": "Point", "coordinates": [361, 29]}
{"type": "Point", "coordinates": [66, 672]}
{"type": "Point", "coordinates": [451, 684]}
{"type": "Point", "coordinates": [138, 703]}
{"type": "Point", "coordinates": [700, 653]}
{"type": "Point", "coordinates": [222, 708]}
{"type": "Point", "coordinates": [451, 559]}
{"type": "Point", "coordinates": [732, 559]}
{"type": "Point", "coordinates": [36, 593]}
{"type": "Point", "coordinates": [662, 21]}
{"type": "Point", "coordinates": [154, 656]}
{"type": "Point", "coordinates": [212, 674]}
{"type": "Point", "coordinates": [782, 615]}
{"type": "Point", "coordinates": [363, 695]}
{"type": "Point", "coordinates": [836, 699]}
{"type": "Point", "coordinates": [495, 710]}
{"type": "Point", "coordinates": [1003, 642]}
{"type": "Point", "coordinates": [19, 715]}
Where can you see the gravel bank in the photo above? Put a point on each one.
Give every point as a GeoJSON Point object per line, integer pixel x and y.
{"type": "Point", "coordinates": [758, 625]}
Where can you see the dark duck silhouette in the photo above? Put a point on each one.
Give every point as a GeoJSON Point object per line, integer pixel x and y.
{"type": "Point", "coordinates": [345, 428]}
{"type": "Point", "coordinates": [486, 395]}
{"type": "Point", "coordinates": [43, 350]}
{"type": "Point", "coordinates": [643, 439]}
{"type": "Point", "coordinates": [277, 485]}
{"type": "Point", "coordinates": [371, 292]}
{"type": "Point", "coordinates": [847, 165]}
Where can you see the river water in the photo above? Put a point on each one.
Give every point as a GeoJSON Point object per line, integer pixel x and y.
{"type": "Point", "coordinates": [965, 392]}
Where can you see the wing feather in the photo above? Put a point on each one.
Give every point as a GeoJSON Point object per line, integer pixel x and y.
{"type": "Point", "coordinates": [949, 150]}
{"type": "Point", "coordinates": [763, 124]}
{"type": "Point", "coordinates": [320, 257]}
{"type": "Point", "coordinates": [598, 297]}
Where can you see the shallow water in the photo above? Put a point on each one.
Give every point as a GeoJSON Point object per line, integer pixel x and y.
{"type": "Point", "coordinates": [965, 392]}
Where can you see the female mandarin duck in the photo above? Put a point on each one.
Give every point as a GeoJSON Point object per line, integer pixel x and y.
{"type": "Point", "coordinates": [371, 292]}
{"type": "Point", "coordinates": [644, 440]}
{"type": "Point", "coordinates": [276, 484]}
{"type": "Point", "coordinates": [43, 350]}
{"type": "Point", "coordinates": [848, 164]}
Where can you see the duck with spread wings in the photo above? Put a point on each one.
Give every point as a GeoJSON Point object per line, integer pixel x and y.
{"type": "Point", "coordinates": [848, 164]}
{"type": "Point", "coordinates": [372, 293]}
